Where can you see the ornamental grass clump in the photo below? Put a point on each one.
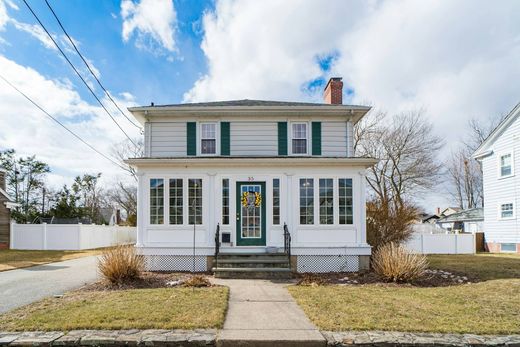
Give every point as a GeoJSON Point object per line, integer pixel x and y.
{"type": "Point", "coordinates": [394, 263]}
{"type": "Point", "coordinates": [121, 265]}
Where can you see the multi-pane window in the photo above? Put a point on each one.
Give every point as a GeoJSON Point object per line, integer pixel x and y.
{"type": "Point", "coordinates": [299, 138]}
{"type": "Point", "coordinates": [225, 201]}
{"type": "Point", "coordinates": [156, 201]}
{"type": "Point", "coordinates": [195, 201]}
{"type": "Point", "coordinates": [326, 201]}
{"type": "Point", "coordinates": [345, 201]}
{"type": "Point", "coordinates": [176, 201]}
{"type": "Point", "coordinates": [276, 201]}
{"type": "Point", "coordinates": [208, 138]}
{"type": "Point", "coordinates": [505, 165]}
{"type": "Point", "coordinates": [306, 201]}
{"type": "Point", "coordinates": [506, 210]}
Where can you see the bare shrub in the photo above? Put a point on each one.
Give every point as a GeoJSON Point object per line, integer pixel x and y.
{"type": "Point", "coordinates": [388, 222]}
{"type": "Point", "coordinates": [313, 280]}
{"type": "Point", "coordinates": [394, 263]}
{"type": "Point", "coordinates": [120, 265]}
{"type": "Point", "coordinates": [197, 281]}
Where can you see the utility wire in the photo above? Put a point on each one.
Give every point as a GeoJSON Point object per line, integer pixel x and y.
{"type": "Point", "coordinates": [61, 124]}
{"type": "Point", "coordinates": [88, 66]}
{"type": "Point", "coordinates": [77, 72]}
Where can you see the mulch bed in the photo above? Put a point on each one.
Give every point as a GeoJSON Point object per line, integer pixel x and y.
{"type": "Point", "coordinates": [150, 280]}
{"type": "Point", "coordinates": [433, 278]}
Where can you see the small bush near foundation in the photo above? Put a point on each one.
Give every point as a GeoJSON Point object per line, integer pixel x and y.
{"type": "Point", "coordinates": [120, 265]}
{"type": "Point", "coordinates": [197, 281]}
{"type": "Point", "coordinates": [394, 263]}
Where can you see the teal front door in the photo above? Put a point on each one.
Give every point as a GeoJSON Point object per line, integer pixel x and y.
{"type": "Point", "coordinates": [251, 219]}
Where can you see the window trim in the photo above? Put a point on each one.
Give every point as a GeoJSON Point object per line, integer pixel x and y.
{"type": "Point", "coordinates": [500, 210]}
{"type": "Point", "coordinates": [217, 139]}
{"type": "Point", "coordinates": [500, 155]}
{"type": "Point", "coordinates": [307, 138]}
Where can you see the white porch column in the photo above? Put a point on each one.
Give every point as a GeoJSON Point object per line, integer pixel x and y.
{"type": "Point", "coordinates": [141, 205]}
{"type": "Point", "coordinates": [362, 230]}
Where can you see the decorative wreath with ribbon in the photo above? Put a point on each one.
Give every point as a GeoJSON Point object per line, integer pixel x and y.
{"type": "Point", "coordinates": [246, 202]}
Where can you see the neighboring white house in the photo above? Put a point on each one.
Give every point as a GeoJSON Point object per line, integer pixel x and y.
{"type": "Point", "coordinates": [248, 168]}
{"type": "Point", "coordinates": [464, 221]}
{"type": "Point", "coordinates": [500, 157]}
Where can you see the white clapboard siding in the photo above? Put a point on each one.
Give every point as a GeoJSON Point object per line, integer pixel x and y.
{"type": "Point", "coordinates": [499, 191]}
{"type": "Point", "coordinates": [167, 139]}
{"type": "Point", "coordinates": [254, 138]}
{"type": "Point", "coordinates": [334, 139]}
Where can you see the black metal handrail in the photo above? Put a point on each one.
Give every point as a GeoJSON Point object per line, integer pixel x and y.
{"type": "Point", "coordinates": [287, 242]}
{"type": "Point", "coordinates": [217, 244]}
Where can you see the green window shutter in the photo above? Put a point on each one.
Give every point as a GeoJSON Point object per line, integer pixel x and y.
{"type": "Point", "coordinates": [191, 138]}
{"type": "Point", "coordinates": [282, 138]}
{"type": "Point", "coordinates": [316, 138]}
{"type": "Point", "coordinates": [224, 138]}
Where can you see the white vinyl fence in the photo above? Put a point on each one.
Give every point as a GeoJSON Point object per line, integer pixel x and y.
{"type": "Point", "coordinates": [69, 236]}
{"type": "Point", "coordinates": [442, 243]}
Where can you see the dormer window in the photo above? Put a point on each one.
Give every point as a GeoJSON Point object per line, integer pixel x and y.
{"type": "Point", "coordinates": [208, 138]}
{"type": "Point", "coordinates": [299, 138]}
{"type": "Point", "coordinates": [506, 165]}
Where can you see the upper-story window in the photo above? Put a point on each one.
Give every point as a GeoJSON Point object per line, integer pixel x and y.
{"type": "Point", "coordinates": [507, 211]}
{"type": "Point", "coordinates": [506, 165]}
{"type": "Point", "coordinates": [208, 138]}
{"type": "Point", "coordinates": [299, 138]}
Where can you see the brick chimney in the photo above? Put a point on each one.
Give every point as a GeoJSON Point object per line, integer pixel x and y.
{"type": "Point", "coordinates": [333, 93]}
{"type": "Point", "coordinates": [3, 173]}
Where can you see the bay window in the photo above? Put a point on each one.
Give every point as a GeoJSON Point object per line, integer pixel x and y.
{"type": "Point", "coordinates": [194, 201]}
{"type": "Point", "coordinates": [306, 201]}
{"type": "Point", "coordinates": [326, 201]}
{"type": "Point", "coordinates": [345, 201]}
{"type": "Point", "coordinates": [156, 201]}
{"type": "Point", "coordinates": [176, 201]}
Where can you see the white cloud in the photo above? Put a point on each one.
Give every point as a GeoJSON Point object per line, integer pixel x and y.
{"type": "Point", "coordinates": [30, 132]}
{"type": "Point", "coordinates": [455, 59]}
{"type": "Point", "coordinates": [153, 22]}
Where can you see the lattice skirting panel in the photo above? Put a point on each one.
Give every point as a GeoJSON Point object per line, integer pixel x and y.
{"type": "Point", "coordinates": [175, 263]}
{"type": "Point", "coordinates": [327, 263]}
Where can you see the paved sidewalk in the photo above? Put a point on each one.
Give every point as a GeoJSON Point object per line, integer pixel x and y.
{"type": "Point", "coordinates": [263, 313]}
{"type": "Point", "coordinates": [24, 286]}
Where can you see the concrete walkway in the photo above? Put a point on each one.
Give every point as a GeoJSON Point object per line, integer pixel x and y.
{"type": "Point", "coordinates": [24, 286]}
{"type": "Point", "coordinates": [263, 313]}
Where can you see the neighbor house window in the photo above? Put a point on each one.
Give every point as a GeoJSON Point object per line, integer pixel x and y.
{"type": "Point", "coordinates": [225, 201]}
{"type": "Point", "coordinates": [306, 201]}
{"type": "Point", "coordinates": [195, 201]}
{"type": "Point", "coordinates": [156, 201]}
{"type": "Point", "coordinates": [276, 201]}
{"type": "Point", "coordinates": [345, 201]}
{"type": "Point", "coordinates": [208, 138]}
{"type": "Point", "coordinates": [506, 168]}
{"type": "Point", "coordinates": [299, 138]}
{"type": "Point", "coordinates": [508, 247]}
{"type": "Point", "coordinates": [507, 210]}
{"type": "Point", "coordinates": [176, 201]}
{"type": "Point", "coordinates": [326, 201]}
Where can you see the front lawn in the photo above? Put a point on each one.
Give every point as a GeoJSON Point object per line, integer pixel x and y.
{"type": "Point", "coordinates": [14, 259]}
{"type": "Point", "coordinates": [488, 307]}
{"type": "Point", "coordinates": [160, 308]}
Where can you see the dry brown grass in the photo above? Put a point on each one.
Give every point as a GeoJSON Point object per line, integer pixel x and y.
{"type": "Point", "coordinates": [120, 265]}
{"type": "Point", "coordinates": [197, 281]}
{"type": "Point", "coordinates": [394, 263]}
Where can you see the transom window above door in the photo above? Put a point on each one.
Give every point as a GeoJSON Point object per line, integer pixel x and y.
{"type": "Point", "coordinates": [208, 138]}
{"type": "Point", "coordinates": [299, 138]}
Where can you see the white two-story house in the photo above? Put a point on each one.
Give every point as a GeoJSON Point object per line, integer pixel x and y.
{"type": "Point", "coordinates": [500, 158]}
{"type": "Point", "coordinates": [240, 177]}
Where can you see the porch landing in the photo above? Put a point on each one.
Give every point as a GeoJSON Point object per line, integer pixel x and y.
{"type": "Point", "coordinates": [263, 313]}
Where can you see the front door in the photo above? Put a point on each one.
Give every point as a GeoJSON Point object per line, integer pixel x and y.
{"type": "Point", "coordinates": [251, 219]}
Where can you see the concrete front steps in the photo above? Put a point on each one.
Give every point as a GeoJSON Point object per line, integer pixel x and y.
{"type": "Point", "coordinates": [265, 266]}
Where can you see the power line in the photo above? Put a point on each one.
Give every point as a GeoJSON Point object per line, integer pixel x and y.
{"type": "Point", "coordinates": [61, 124]}
{"type": "Point", "coordinates": [77, 72]}
{"type": "Point", "coordinates": [88, 66]}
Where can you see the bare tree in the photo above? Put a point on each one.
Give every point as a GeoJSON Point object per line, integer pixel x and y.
{"type": "Point", "coordinates": [408, 154]}
{"type": "Point", "coordinates": [125, 196]}
{"type": "Point", "coordinates": [126, 149]}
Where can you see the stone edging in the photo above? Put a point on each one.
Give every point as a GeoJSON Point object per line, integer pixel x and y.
{"type": "Point", "coordinates": [208, 337]}
{"type": "Point", "coordinates": [392, 338]}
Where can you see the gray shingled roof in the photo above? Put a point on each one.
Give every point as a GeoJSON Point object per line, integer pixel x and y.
{"type": "Point", "coordinates": [246, 102]}
{"type": "Point", "coordinates": [473, 214]}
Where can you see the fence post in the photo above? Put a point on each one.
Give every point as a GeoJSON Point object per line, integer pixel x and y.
{"type": "Point", "coordinates": [11, 235]}
{"type": "Point", "coordinates": [422, 243]}
{"type": "Point", "coordinates": [456, 243]}
{"type": "Point", "coordinates": [44, 236]}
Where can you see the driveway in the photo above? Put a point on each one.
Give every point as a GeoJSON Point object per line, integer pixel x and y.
{"type": "Point", "coordinates": [23, 286]}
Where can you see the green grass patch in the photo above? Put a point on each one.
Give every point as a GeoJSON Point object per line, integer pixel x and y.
{"type": "Point", "coordinates": [488, 307]}
{"type": "Point", "coordinates": [14, 259]}
{"type": "Point", "coordinates": [163, 308]}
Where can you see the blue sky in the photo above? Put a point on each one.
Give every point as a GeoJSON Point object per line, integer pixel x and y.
{"type": "Point", "coordinates": [401, 55]}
